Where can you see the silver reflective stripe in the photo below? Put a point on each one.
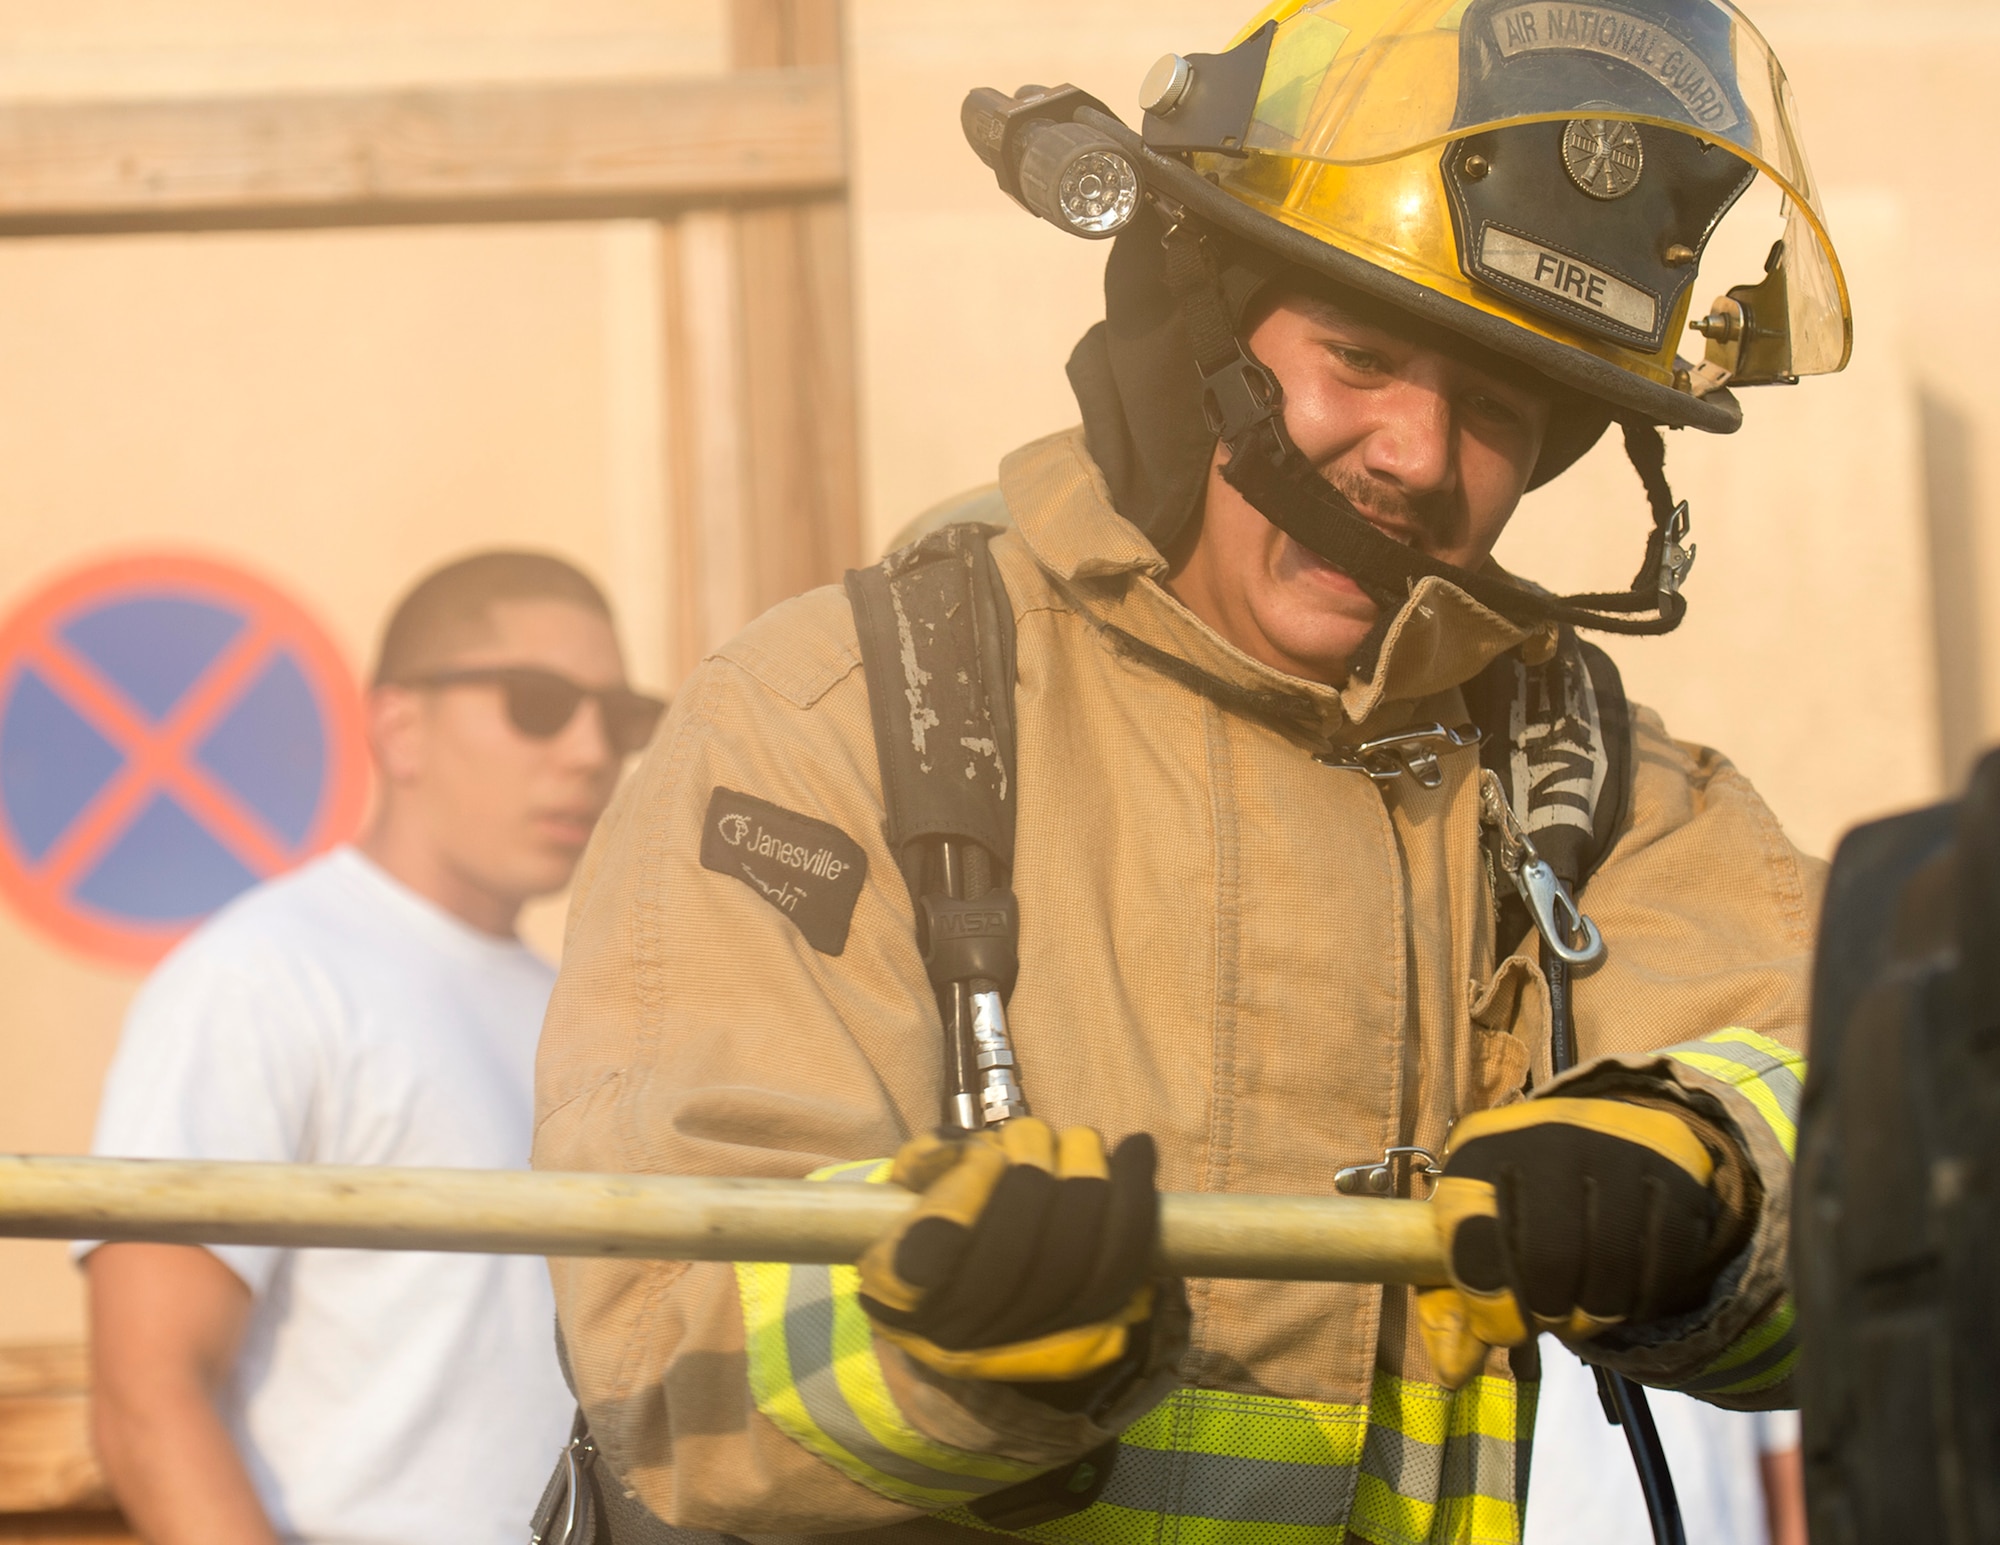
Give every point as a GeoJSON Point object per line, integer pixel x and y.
{"type": "Point", "coordinates": [1777, 1076]}
{"type": "Point", "coordinates": [1466, 1466]}
{"type": "Point", "coordinates": [1747, 1375]}
{"type": "Point", "coordinates": [1751, 1373]}
{"type": "Point", "coordinates": [809, 1336]}
{"type": "Point", "coordinates": [1476, 1465]}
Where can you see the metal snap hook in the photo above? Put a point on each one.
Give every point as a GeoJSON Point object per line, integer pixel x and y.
{"type": "Point", "coordinates": [1413, 751]}
{"type": "Point", "coordinates": [1380, 1179]}
{"type": "Point", "coordinates": [1570, 935]}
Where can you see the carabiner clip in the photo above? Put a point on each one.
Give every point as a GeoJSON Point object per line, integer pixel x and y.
{"type": "Point", "coordinates": [1572, 937]}
{"type": "Point", "coordinates": [1558, 919]}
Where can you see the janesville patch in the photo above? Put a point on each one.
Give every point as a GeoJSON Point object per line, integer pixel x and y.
{"type": "Point", "coordinates": [808, 870]}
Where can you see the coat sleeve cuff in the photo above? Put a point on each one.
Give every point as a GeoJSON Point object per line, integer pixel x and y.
{"type": "Point", "coordinates": [1741, 1347]}
{"type": "Point", "coordinates": [930, 1443]}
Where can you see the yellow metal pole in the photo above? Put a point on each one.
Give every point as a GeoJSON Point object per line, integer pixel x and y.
{"type": "Point", "coordinates": [656, 1217]}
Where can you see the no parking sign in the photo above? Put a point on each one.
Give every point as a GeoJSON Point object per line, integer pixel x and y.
{"type": "Point", "coordinates": [172, 730]}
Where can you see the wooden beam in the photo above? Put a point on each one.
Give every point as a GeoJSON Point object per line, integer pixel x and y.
{"type": "Point", "coordinates": [708, 414]}
{"type": "Point", "coordinates": [46, 1462]}
{"type": "Point", "coordinates": [586, 150]}
{"type": "Point", "coordinates": [803, 483]}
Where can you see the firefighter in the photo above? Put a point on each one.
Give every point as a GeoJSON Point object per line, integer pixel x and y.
{"type": "Point", "coordinates": [1298, 905]}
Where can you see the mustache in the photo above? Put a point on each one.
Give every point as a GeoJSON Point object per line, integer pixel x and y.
{"type": "Point", "coordinates": [1429, 516]}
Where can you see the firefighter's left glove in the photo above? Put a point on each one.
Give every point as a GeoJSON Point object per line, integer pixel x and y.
{"type": "Point", "coordinates": [1570, 1216]}
{"type": "Point", "coordinates": [1029, 1258]}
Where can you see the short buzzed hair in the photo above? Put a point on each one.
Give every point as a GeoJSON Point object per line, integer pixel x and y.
{"type": "Point", "coordinates": [453, 606]}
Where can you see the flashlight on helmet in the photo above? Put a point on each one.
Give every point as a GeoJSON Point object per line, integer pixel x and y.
{"type": "Point", "coordinates": [1073, 176]}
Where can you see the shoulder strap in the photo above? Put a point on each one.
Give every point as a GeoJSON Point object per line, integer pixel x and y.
{"type": "Point", "coordinates": [1559, 737]}
{"type": "Point", "coordinates": [937, 646]}
{"type": "Point", "coordinates": [936, 630]}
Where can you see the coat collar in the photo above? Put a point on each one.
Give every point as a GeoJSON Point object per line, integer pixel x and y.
{"type": "Point", "coordinates": [1058, 499]}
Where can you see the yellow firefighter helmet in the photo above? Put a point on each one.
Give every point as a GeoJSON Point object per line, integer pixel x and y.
{"type": "Point", "coordinates": [1542, 178]}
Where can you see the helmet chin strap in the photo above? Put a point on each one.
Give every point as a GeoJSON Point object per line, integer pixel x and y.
{"type": "Point", "coordinates": [1245, 407]}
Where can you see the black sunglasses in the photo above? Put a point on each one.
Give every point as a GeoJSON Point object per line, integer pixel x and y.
{"type": "Point", "coordinates": [541, 703]}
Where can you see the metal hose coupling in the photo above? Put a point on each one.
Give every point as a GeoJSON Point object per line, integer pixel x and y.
{"type": "Point", "coordinates": [1000, 1096]}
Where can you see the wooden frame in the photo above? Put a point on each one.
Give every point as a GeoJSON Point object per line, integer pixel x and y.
{"type": "Point", "coordinates": [46, 1465]}
{"type": "Point", "coordinates": [535, 152]}
{"type": "Point", "coordinates": [746, 174]}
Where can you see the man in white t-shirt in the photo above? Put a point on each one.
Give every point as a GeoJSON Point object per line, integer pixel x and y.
{"type": "Point", "coordinates": [374, 1007]}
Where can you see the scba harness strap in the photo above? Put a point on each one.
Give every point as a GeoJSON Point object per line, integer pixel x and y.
{"type": "Point", "coordinates": [937, 646]}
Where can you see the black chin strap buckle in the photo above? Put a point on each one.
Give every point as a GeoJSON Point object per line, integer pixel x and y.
{"type": "Point", "coordinates": [1241, 397]}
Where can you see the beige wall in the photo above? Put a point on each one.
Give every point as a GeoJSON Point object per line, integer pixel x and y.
{"type": "Point", "coordinates": [339, 410]}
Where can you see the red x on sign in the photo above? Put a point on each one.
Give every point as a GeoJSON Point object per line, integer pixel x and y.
{"type": "Point", "coordinates": [172, 730]}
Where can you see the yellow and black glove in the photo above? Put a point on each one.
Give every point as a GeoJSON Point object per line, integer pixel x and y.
{"type": "Point", "coordinates": [1570, 1216]}
{"type": "Point", "coordinates": [1029, 1258]}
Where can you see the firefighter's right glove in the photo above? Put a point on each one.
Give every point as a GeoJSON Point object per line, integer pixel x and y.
{"type": "Point", "coordinates": [1029, 1258]}
{"type": "Point", "coordinates": [1567, 1215]}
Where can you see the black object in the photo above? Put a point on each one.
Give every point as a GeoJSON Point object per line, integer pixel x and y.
{"type": "Point", "coordinates": [1598, 224]}
{"type": "Point", "coordinates": [936, 633]}
{"type": "Point", "coordinates": [1624, 1401]}
{"type": "Point", "coordinates": [1056, 1494]}
{"type": "Point", "coordinates": [1215, 111]}
{"type": "Point", "coordinates": [1586, 1221]}
{"type": "Point", "coordinates": [1896, 1222]}
{"type": "Point", "coordinates": [585, 1504]}
{"type": "Point", "coordinates": [540, 703]}
{"type": "Point", "coordinates": [1526, 229]}
{"type": "Point", "coordinates": [999, 128]}
{"type": "Point", "coordinates": [1558, 736]}
{"type": "Point", "coordinates": [809, 870]}
{"type": "Point", "coordinates": [1044, 1255]}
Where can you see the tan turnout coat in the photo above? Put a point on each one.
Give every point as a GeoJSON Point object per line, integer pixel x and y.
{"type": "Point", "coordinates": [1275, 967]}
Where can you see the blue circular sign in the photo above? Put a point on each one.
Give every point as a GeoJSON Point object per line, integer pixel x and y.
{"type": "Point", "coordinates": [172, 731]}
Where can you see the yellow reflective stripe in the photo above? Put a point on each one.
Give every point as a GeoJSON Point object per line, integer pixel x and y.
{"type": "Point", "coordinates": [858, 1370]}
{"type": "Point", "coordinates": [1771, 1076]}
{"type": "Point", "coordinates": [1751, 1088]}
{"type": "Point", "coordinates": [764, 1289]}
{"type": "Point", "coordinates": [832, 1397]}
{"type": "Point", "coordinates": [1420, 1412]}
{"type": "Point", "coordinates": [1763, 1356]}
{"type": "Point", "coordinates": [1442, 1466]}
{"type": "Point", "coordinates": [1384, 1517]}
{"type": "Point", "coordinates": [873, 1172]}
{"type": "Point", "coordinates": [1105, 1524]}
{"type": "Point", "coordinates": [1777, 1051]}
{"type": "Point", "coordinates": [859, 1373]}
{"type": "Point", "coordinates": [1416, 1466]}
{"type": "Point", "coordinates": [1233, 1426]}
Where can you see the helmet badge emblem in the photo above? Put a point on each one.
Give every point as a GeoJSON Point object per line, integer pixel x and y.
{"type": "Point", "coordinates": [1603, 156]}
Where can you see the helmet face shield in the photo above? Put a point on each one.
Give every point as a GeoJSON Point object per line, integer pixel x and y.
{"type": "Point", "coordinates": [1667, 106]}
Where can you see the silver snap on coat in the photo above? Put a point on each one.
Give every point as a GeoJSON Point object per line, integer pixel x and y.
{"type": "Point", "coordinates": [1275, 967]}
